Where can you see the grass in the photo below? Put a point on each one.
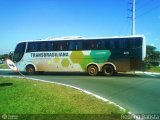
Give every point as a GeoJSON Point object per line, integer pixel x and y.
{"type": "Point", "coordinates": [154, 69]}
{"type": "Point", "coordinates": [25, 97]}
{"type": "Point", "coordinates": [4, 66]}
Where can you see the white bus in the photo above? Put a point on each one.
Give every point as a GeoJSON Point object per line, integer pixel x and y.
{"type": "Point", "coordinates": [77, 54]}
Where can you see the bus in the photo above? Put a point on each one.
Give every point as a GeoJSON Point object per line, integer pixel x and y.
{"type": "Point", "coordinates": [108, 55]}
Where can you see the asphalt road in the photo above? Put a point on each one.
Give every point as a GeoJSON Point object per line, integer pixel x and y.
{"type": "Point", "coordinates": [138, 93]}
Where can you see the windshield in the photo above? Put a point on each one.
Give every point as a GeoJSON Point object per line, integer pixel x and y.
{"type": "Point", "coordinates": [19, 52]}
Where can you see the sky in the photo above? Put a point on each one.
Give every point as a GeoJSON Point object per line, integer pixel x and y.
{"type": "Point", "coordinates": [22, 20]}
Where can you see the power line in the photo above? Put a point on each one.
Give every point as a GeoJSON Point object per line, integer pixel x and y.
{"type": "Point", "coordinates": [148, 11]}
{"type": "Point", "coordinates": [138, 2]}
{"type": "Point", "coordinates": [144, 5]}
{"type": "Point", "coordinates": [125, 25]}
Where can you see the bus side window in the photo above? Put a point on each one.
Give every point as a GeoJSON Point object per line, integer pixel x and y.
{"type": "Point", "coordinates": [72, 45]}
{"type": "Point", "coordinates": [122, 44]}
{"type": "Point", "coordinates": [32, 47]}
{"type": "Point", "coordinates": [105, 45]}
{"type": "Point", "coordinates": [127, 43]}
{"type": "Point", "coordinates": [85, 44]}
{"type": "Point", "coordinates": [111, 44]}
{"type": "Point", "coordinates": [79, 45]}
{"type": "Point", "coordinates": [99, 44]}
{"type": "Point", "coordinates": [133, 43]}
{"type": "Point", "coordinates": [42, 46]}
{"type": "Point", "coordinates": [138, 42]}
{"type": "Point", "coordinates": [90, 45]}
{"type": "Point", "coordinates": [117, 43]}
{"type": "Point", "coordinates": [63, 45]}
{"type": "Point", "coordinates": [51, 46]}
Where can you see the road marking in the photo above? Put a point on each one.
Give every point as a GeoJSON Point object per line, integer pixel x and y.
{"type": "Point", "coordinates": [5, 70]}
{"type": "Point", "coordinates": [150, 74]}
{"type": "Point", "coordinates": [153, 74]}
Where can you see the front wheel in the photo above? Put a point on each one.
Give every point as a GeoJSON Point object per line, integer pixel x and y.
{"type": "Point", "coordinates": [30, 70]}
{"type": "Point", "coordinates": [108, 70]}
{"type": "Point", "coordinates": [92, 70]}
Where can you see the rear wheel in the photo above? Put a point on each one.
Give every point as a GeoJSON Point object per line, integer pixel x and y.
{"type": "Point", "coordinates": [108, 70]}
{"type": "Point", "coordinates": [30, 69]}
{"type": "Point", "coordinates": [92, 70]}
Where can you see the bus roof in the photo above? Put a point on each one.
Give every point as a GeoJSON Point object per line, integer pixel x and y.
{"type": "Point", "coordinates": [80, 38]}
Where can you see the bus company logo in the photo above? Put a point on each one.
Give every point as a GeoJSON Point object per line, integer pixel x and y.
{"type": "Point", "coordinates": [50, 54]}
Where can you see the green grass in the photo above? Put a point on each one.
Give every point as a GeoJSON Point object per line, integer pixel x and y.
{"type": "Point", "coordinates": [24, 97]}
{"type": "Point", "coordinates": [4, 66]}
{"type": "Point", "coordinates": [154, 69]}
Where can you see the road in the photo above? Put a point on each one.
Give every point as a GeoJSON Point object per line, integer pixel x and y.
{"type": "Point", "coordinates": [138, 93]}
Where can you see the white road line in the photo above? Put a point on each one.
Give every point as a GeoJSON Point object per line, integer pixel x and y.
{"type": "Point", "coordinates": [5, 70]}
{"type": "Point", "coordinates": [153, 74]}
{"type": "Point", "coordinates": [150, 74]}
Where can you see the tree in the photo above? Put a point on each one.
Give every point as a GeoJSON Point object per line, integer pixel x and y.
{"type": "Point", "coordinates": [152, 56]}
{"type": "Point", "coordinates": [3, 57]}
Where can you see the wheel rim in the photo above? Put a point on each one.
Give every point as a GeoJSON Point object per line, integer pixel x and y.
{"type": "Point", "coordinates": [108, 70]}
{"type": "Point", "coordinates": [92, 70]}
{"type": "Point", "coordinates": [30, 70]}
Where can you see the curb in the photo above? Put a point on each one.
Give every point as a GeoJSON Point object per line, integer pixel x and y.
{"type": "Point", "coordinates": [149, 73]}
{"type": "Point", "coordinates": [5, 70]}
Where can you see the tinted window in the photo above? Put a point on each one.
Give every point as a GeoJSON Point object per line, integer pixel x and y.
{"type": "Point", "coordinates": [72, 45]}
{"type": "Point", "coordinates": [61, 45]}
{"type": "Point", "coordinates": [139, 42]}
{"type": "Point", "coordinates": [51, 46]}
{"type": "Point", "coordinates": [41, 46]}
{"type": "Point", "coordinates": [32, 47]}
{"type": "Point", "coordinates": [111, 44]}
{"type": "Point", "coordinates": [93, 45]}
{"type": "Point", "coordinates": [75, 45]}
{"type": "Point", "coordinates": [19, 52]}
{"type": "Point", "coordinates": [37, 46]}
{"type": "Point", "coordinates": [136, 43]}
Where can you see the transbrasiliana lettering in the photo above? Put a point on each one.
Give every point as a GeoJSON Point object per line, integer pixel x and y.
{"type": "Point", "coordinates": [52, 54]}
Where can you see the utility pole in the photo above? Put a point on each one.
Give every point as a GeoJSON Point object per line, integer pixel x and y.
{"type": "Point", "coordinates": [133, 17]}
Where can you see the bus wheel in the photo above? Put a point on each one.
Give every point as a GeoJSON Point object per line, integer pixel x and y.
{"type": "Point", "coordinates": [92, 70]}
{"type": "Point", "coordinates": [108, 70]}
{"type": "Point", "coordinates": [30, 69]}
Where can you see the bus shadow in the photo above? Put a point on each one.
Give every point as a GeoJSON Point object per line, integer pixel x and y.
{"type": "Point", "coordinates": [128, 75]}
{"type": "Point", "coordinates": [63, 74]}
{"type": "Point", "coordinates": [135, 75]}
{"type": "Point", "coordinates": [5, 84]}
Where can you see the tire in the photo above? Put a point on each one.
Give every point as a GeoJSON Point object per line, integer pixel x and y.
{"type": "Point", "coordinates": [108, 70]}
{"type": "Point", "coordinates": [30, 70]}
{"type": "Point", "coordinates": [92, 70]}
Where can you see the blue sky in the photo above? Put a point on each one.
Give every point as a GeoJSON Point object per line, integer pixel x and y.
{"type": "Point", "coordinates": [22, 20]}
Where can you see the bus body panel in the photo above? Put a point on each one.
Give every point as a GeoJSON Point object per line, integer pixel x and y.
{"type": "Point", "coordinates": [64, 61]}
{"type": "Point", "coordinates": [124, 54]}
